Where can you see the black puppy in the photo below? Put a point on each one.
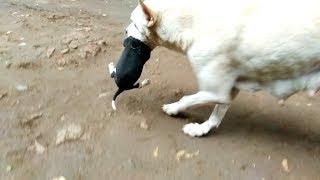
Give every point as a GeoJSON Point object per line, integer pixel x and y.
{"type": "Point", "coordinates": [129, 67]}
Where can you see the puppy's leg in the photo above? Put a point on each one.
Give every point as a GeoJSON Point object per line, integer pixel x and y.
{"type": "Point", "coordinates": [111, 68]}
{"type": "Point", "coordinates": [195, 129]}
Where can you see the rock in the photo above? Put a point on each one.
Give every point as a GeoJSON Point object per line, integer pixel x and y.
{"type": "Point", "coordinates": [64, 51]}
{"type": "Point", "coordinates": [67, 41]}
{"type": "Point", "coordinates": [9, 168]}
{"type": "Point", "coordinates": [92, 49]}
{"type": "Point", "coordinates": [183, 154]}
{"type": "Point", "coordinates": [59, 178]}
{"type": "Point", "coordinates": [83, 54]}
{"type": "Point", "coordinates": [156, 152]}
{"type": "Point", "coordinates": [26, 65]}
{"type": "Point", "coordinates": [8, 64]}
{"type": "Point", "coordinates": [37, 147]}
{"type": "Point", "coordinates": [69, 133]}
{"type": "Point", "coordinates": [73, 44]}
{"type": "Point", "coordinates": [285, 166]}
{"type": "Point", "coordinates": [3, 94]}
{"type": "Point", "coordinates": [144, 125]}
{"type": "Point", "coordinates": [101, 95]}
{"type": "Point", "coordinates": [102, 42]}
{"type": "Point", "coordinates": [31, 118]}
{"type": "Point", "coordinates": [50, 52]}
{"type": "Point", "coordinates": [21, 87]}
{"type": "Point", "coordinates": [22, 44]}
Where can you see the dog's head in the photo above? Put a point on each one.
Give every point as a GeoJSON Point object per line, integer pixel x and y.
{"type": "Point", "coordinates": [143, 25]}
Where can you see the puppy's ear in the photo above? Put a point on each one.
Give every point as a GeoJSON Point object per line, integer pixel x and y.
{"type": "Point", "coordinates": [150, 16]}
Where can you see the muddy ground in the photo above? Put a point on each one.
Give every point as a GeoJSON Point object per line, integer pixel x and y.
{"type": "Point", "coordinates": [53, 56]}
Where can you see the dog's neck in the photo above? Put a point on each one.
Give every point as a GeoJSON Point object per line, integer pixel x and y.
{"type": "Point", "coordinates": [174, 38]}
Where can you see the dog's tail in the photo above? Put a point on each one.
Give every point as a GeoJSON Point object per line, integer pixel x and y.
{"type": "Point", "coordinates": [119, 91]}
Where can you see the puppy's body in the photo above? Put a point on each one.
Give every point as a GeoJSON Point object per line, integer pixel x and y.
{"type": "Point", "coordinates": [271, 45]}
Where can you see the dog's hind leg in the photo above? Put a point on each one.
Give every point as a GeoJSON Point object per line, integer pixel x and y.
{"type": "Point", "coordinates": [196, 129]}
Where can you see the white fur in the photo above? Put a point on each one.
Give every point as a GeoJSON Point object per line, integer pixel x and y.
{"type": "Point", "coordinates": [271, 45]}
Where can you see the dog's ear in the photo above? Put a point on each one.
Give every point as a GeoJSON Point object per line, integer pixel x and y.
{"type": "Point", "coordinates": [150, 16]}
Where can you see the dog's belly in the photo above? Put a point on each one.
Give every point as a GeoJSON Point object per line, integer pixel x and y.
{"type": "Point", "coordinates": [283, 88]}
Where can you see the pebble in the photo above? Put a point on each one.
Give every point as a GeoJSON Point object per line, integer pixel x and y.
{"type": "Point", "coordinates": [103, 95]}
{"type": "Point", "coordinates": [9, 168]}
{"type": "Point", "coordinates": [64, 51]}
{"type": "Point", "coordinates": [183, 154]}
{"type": "Point", "coordinates": [3, 94]}
{"type": "Point", "coordinates": [68, 133]}
{"type": "Point", "coordinates": [92, 49]}
{"type": "Point", "coordinates": [285, 165]}
{"type": "Point", "coordinates": [22, 44]}
{"type": "Point", "coordinates": [144, 125]}
{"type": "Point", "coordinates": [21, 87]}
{"type": "Point", "coordinates": [59, 178]}
{"type": "Point", "coordinates": [8, 64]}
{"type": "Point", "coordinates": [31, 118]}
{"type": "Point", "coordinates": [156, 152]}
{"type": "Point", "coordinates": [50, 51]}
{"type": "Point", "coordinates": [73, 44]}
{"type": "Point", "coordinates": [37, 147]}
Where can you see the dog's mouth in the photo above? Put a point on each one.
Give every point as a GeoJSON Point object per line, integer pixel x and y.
{"type": "Point", "coordinates": [130, 65]}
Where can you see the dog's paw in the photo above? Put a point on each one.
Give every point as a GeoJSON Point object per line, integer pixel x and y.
{"type": "Point", "coordinates": [170, 109]}
{"type": "Point", "coordinates": [196, 130]}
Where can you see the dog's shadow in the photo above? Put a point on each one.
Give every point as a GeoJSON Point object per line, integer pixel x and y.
{"type": "Point", "coordinates": [252, 123]}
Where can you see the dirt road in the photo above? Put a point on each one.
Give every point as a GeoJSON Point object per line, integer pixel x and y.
{"type": "Point", "coordinates": [53, 56]}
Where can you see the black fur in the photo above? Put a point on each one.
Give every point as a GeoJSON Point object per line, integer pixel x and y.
{"type": "Point", "coordinates": [130, 65]}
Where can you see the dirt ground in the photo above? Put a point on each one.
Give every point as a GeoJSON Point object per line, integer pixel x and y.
{"type": "Point", "coordinates": [53, 56]}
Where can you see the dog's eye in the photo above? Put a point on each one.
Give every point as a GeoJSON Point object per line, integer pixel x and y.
{"type": "Point", "coordinates": [126, 33]}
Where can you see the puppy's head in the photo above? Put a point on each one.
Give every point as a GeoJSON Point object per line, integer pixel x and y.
{"type": "Point", "coordinates": [143, 24]}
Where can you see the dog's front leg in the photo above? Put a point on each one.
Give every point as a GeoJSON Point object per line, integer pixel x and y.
{"type": "Point", "coordinates": [216, 80]}
{"type": "Point", "coordinates": [196, 129]}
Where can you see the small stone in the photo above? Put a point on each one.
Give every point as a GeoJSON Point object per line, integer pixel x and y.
{"type": "Point", "coordinates": [156, 152]}
{"type": "Point", "coordinates": [69, 133]}
{"type": "Point", "coordinates": [67, 40]}
{"type": "Point", "coordinates": [37, 147]}
{"type": "Point", "coordinates": [83, 54]}
{"type": "Point", "coordinates": [285, 166]}
{"type": "Point", "coordinates": [144, 125]}
{"type": "Point", "coordinates": [50, 51]}
{"type": "Point", "coordinates": [104, 15]}
{"type": "Point", "coordinates": [101, 95]}
{"type": "Point", "coordinates": [309, 104]}
{"type": "Point", "coordinates": [64, 51]}
{"type": "Point", "coordinates": [21, 87]}
{"type": "Point", "coordinates": [73, 45]}
{"type": "Point", "coordinates": [8, 64]}
{"type": "Point", "coordinates": [102, 42]}
{"type": "Point", "coordinates": [9, 168]}
{"type": "Point", "coordinates": [180, 154]}
{"type": "Point", "coordinates": [22, 44]}
{"type": "Point", "coordinates": [59, 178]}
{"type": "Point", "coordinates": [3, 94]}
{"type": "Point", "coordinates": [185, 155]}
{"type": "Point", "coordinates": [92, 49]}
{"type": "Point", "coordinates": [31, 118]}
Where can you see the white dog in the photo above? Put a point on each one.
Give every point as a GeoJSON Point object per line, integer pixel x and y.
{"type": "Point", "coordinates": [232, 45]}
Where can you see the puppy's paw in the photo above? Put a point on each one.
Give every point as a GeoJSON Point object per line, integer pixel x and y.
{"type": "Point", "coordinates": [145, 83]}
{"type": "Point", "coordinates": [196, 130]}
{"type": "Point", "coordinates": [171, 109]}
